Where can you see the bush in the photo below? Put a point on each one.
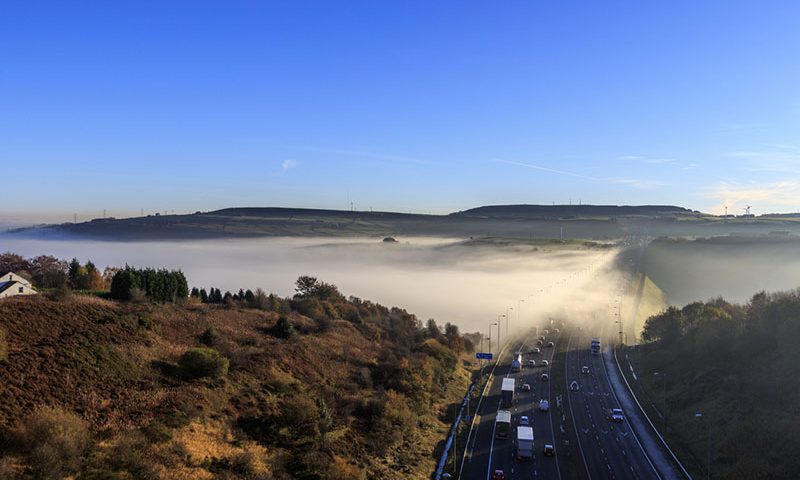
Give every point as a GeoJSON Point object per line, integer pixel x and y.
{"type": "Point", "coordinates": [203, 362]}
{"type": "Point", "coordinates": [283, 328]}
{"type": "Point", "coordinates": [55, 441]}
{"type": "Point", "coordinates": [209, 337]}
{"type": "Point", "coordinates": [61, 293]}
{"type": "Point", "coordinates": [137, 295]}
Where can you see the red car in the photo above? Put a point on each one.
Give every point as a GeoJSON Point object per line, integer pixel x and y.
{"type": "Point", "coordinates": [498, 475]}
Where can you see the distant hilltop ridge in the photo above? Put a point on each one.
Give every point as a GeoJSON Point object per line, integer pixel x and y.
{"type": "Point", "coordinates": [593, 222]}
{"type": "Point", "coordinates": [566, 211]}
{"type": "Point", "coordinates": [488, 211]}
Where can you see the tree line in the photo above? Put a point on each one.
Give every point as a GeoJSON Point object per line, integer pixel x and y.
{"type": "Point", "coordinates": [49, 272]}
{"type": "Point", "coordinates": [160, 286]}
{"type": "Point", "coordinates": [728, 361]}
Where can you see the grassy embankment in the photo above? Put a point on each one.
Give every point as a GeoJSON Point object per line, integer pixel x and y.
{"type": "Point", "coordinates": [737, 365]}
{"type": "Point", "coordinates": [351, 390]}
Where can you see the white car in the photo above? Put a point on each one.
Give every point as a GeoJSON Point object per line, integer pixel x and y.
{"type": "Point", "coordinates": [544, 405]}
{"type": "Point", "coordinates": [544, 363]}
{"type": "Point", "coordinates": [526, 387]}
{"type": "Point", "coordinates": [616, 415]}
{"type": "Point", "coordinates": [574, 386]}
{"type": "Point", "coordinates": [531, 363]}
{"type": "Point", "coordinates": [584, 369]}
{"type": "Point", "coordinates": [524, 421]}
{"type": "Point", "coordinates": [537, 350]}
{"type": "Point", "coordinates": [545, 377]}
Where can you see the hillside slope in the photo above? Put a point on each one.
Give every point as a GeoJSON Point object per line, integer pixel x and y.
{"type": "Point", "coordinates": [738, 366]}
{"type": "Point", "coordinates": [357, 398]}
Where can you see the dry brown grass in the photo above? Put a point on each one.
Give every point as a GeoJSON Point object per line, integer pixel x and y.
{"type": "Point", "coordinates": [98, 358]}
{"type": "Point", "coordinates": [209, 440]}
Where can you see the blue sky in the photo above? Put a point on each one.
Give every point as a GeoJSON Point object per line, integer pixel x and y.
{"type": "Point", "coordinates": [398, 105]}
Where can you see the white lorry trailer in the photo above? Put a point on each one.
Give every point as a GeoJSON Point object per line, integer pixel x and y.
{"type": "Point", "coordinates": [524, 443]}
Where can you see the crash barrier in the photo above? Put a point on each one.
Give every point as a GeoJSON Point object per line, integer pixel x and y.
{"type": "Point", "coordinates": [453, 432]}
{"type": "Point", "coordinates": [663, 442]}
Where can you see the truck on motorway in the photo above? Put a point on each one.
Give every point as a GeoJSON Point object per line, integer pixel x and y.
{"type": "Point", "coordinates": [595, 345]}
{"type": "Point", "coordinates": [524, 442]}
{"type": "Point", "coordinates": [516, 363]}
{"type": "Point", "coordinates": [507, 392]}
{"type": "Point", "coordinates": [502, 424]}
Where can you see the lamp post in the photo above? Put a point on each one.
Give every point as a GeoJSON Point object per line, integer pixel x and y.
{"type": "Point", "coordinates": [490, 336]}
{"type": "Point", "coordinates": [498, 330]}
{"type": "Point", "coordinates": [708, 442]}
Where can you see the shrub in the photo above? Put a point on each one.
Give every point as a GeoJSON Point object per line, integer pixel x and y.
{"type": "Point", "coordinates": [137, 295]}
{"type": "Point", "coordinates": [283, 328]}
{"type": "Point", "coordinates": [61, 293]}
{"type": "Point", "coordinates": [209, 337]}
{"type": "Point", "coordinates": [203, 362]}
{"type": "Point", "coordinates": [341, 469]}
{"type": "Point", "coordinates": [55, 440]}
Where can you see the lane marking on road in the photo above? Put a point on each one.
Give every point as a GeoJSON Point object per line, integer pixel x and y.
{"type": "Point", "coordinates": [494, 426]}
{"type": "Point", "coordinates": [616, 400]}
{"type": "Point", "coordinates": [571, 413]}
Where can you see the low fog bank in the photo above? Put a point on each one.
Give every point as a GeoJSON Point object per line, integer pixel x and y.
{"type": "Point", "coordinates": [734, 268]}
{"type": "Point", "coordinates": [446, 279]}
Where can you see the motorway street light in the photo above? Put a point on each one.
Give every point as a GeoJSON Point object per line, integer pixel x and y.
{"type": "Point", "coordinates": [498, 329]}
{"type": "Point", "coordinates": [699, 415]}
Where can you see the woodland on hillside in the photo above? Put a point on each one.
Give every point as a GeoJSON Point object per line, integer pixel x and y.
{"type": "Point", "coordinates": [738, 366]}
{"type": "Point", "coordinates": [313, 386]}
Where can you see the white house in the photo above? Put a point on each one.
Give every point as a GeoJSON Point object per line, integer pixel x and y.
{"type": "Point", "coordinates": [12, 284]}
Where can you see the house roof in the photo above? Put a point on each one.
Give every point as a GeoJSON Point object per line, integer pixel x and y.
{"type": "Point", "coordinates": [6, 285]}
{"type": "Point", "coordinates": [20, 278]}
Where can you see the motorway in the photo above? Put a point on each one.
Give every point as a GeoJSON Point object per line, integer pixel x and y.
{"type": "Point", "coordinates": [588, 444]}
{"type": "Point", "coordinates": [604, 450]}
{"type": "Point", "coordinates": [609, 450]}
{"type": "Point", "coordinates": [485, 452]}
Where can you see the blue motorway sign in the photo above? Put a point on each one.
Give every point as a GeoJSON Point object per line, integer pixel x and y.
{"type": "Point", "coordinates": [483, 356]}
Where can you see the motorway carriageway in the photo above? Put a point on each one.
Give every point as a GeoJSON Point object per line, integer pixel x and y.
{"type": "Point", "coordinates": [487, 453]}
{"type": "Point", "coordinates": [607, 450]}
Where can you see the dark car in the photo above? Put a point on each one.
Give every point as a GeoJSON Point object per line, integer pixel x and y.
{"type": "Point", "coordinates": [548, 450]}
{"type": "Point", "coordinates": [498, 475]}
